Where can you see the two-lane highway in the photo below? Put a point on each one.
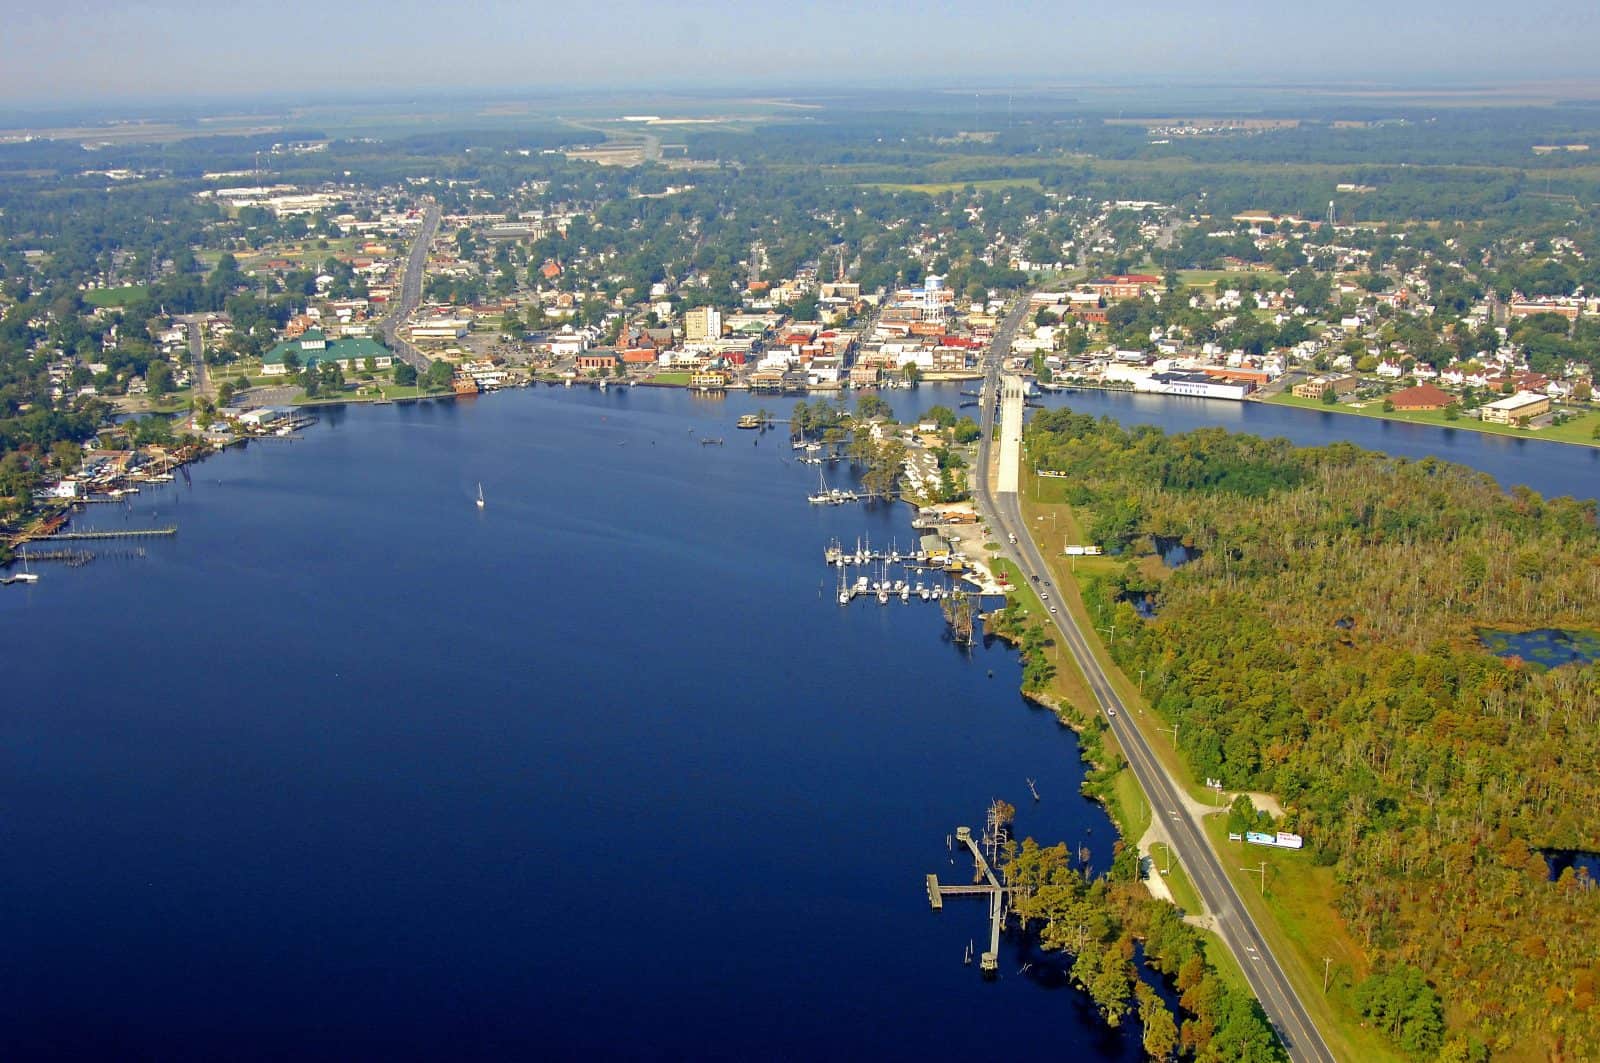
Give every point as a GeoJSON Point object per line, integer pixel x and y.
{"type": "Point", "coordinates": [1233, 922]}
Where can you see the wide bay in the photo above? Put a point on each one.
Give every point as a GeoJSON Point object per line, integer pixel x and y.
{"type": "Point", "coordinates": [350, 767]}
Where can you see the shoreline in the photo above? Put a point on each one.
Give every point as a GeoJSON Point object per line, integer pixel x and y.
{"type": "Point", "coordinates": [1374, 411]}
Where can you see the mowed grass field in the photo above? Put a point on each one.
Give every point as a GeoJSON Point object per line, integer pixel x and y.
{"type": "Point", "coordinates": [934, 188]}
{"type": "Point", "coordinates": [1579, 430]}
{"type": "Point", "coordinates": [113, 296]}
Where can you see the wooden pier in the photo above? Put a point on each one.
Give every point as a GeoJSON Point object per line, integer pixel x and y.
{"type": "Point", "coordinates": [988, 886]}
{"type": "Point", "coordinates": [131, 533]}
{"type": "Point", "coordinates": [71, 558]}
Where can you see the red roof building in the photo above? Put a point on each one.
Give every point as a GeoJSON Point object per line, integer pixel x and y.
{"type": "Point", "coordinates": [597, 360]}
{"type": "Point", "coordinates": [1258, 377]}
{"type": "Point", "coordinates": [1125, 285]}
{"type": "Point", "coordinates": [1422, 397]}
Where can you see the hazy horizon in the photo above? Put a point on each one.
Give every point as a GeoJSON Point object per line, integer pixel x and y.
{"type": "Point", "coordinates": [77, 53]}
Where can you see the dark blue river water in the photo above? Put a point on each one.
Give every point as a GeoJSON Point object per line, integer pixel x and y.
{"type": "Point", "coordinates": [352, 769]}
{"type": "Point", "coordinates": [1549, 468]}
{"type": "Point", "coordinates": [604, 769]}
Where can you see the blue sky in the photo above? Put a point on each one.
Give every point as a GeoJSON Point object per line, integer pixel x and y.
{"type": "Point", "coordinates": [88, 50]}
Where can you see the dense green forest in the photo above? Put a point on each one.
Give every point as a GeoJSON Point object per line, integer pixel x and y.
{"type": "Point", "coordinates": [1449, 164]}
{"type": "Point", "coordinates": [1099, 921]}
{"type": "Point", "coordinates": [1323, 647]}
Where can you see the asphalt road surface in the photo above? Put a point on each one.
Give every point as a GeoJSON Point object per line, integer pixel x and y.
{"type": "Point", "coordinates": [1232, 921]}
{"type": "Point", "coordinates": [411, 292]}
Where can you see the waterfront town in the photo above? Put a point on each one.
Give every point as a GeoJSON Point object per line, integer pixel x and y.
{"type": "Point", "coordinates": [525, 286]}
{"type": "Point", "coordinates": [173, 303]}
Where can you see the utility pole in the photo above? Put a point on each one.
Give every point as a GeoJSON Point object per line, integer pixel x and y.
{"type": "Point", "coordinates": [1327, 964]}
{"type": "Point", "coordinates": [1173, 730]}
{"type": "Point", "coordinates": [1262, 871]}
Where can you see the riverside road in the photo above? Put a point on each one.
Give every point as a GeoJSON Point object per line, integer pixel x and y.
{"type": "Point", "coordinates": [1232, 921]}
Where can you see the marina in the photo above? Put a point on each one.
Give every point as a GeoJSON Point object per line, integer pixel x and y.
{"type": "Point", "coordinates": [884, 590]}
{"type": "Point", "coordinates": [813, 453]}
{"type": "Point", "coordinates": [905, 576]}
{"type": "Point", "coordinates": [831, 496]}
{"type": "Point", "coordinates": [864, 554]}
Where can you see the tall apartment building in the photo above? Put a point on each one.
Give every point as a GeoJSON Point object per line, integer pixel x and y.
{"type": "Point", "coordinates": [702, 324]}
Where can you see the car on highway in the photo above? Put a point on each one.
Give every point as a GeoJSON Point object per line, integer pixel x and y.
{"type": "Point", "coordinates": [1052, 608]}
{"type": "Point", "coordinates": [1111, 712]}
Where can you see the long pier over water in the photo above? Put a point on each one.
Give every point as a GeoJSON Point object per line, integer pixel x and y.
{"type": "Point", "coordinates": [989, 962]}
{"type": "Point", "coordinates": [131, 533]}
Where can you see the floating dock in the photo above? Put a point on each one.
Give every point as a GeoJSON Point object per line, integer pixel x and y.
{"type": "Point", "coordinates": [835, 553]}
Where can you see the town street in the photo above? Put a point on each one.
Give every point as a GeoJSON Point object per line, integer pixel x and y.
{"type": "Point", "coordinates": [411, 292]}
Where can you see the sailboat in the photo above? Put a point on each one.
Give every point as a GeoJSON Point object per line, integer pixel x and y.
{"type": "Point", "coordinates": [24, 576]}
{"type": "Point", "coordinates": [480, 495]}
{"type": "Point", "coordinates": [822, 497]}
